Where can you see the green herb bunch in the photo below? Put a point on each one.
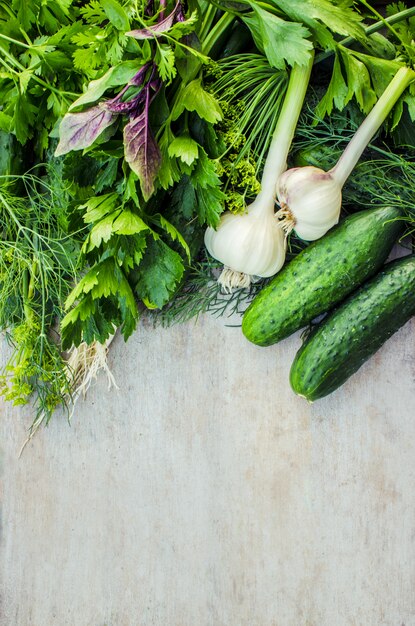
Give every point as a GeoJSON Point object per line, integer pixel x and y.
{"type": "Point", "coordinates": [144, 120]}
{"type": "Point", "coordinates": [37, 271]}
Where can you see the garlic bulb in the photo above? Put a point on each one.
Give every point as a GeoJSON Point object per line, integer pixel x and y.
{"type": "Point", "coordinates": [310, 201]}
{"type": "Point", "coordinates": [252, 243]}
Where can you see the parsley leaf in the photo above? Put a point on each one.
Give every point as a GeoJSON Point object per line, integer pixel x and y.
{"type": "Point", "coordinates": [165, 61]}
{"type": "Point", "coordinates": [195, 98]}
{"type": "Point", "coordinates": [279, 40]}
{"type": "Point", "coordinates": [185, 148]}
{"type": "Point", "coordinates": [105, 300]}
{"type": "Point", "coordinates": [24, 118]}
{"type": "Point", "coordinates": [159, 273]}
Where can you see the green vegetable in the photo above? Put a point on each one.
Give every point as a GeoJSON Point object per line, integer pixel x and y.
{"type": "Point", "coordinates": [37, 269]}
{"type": "Point", "coordinates": [133, 251]}
{"type": "Point", "coordinates": [343, 341]}
{"type": "Point", "coordinates": [322, 275]}
{"type": "Point", "coordinates": [253, 243]}
{"type": "Point", "coordinates": [166, 138]}
{"type": "Point", "coordinates": [384, 177]}
{"type": "Point", "coordinates": [310, 197]}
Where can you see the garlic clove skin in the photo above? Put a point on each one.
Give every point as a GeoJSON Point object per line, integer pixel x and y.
{"type": "Point", "coordinates": [252, 243]}
{"type": "Point", "coordinates": [310, 201]}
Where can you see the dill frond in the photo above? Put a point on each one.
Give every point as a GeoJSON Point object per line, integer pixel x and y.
{"type": "Point", "coordinates": [37, 269]}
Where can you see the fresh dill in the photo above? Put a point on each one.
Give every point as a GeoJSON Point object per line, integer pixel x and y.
{"type": "Point", "coordinates": [37, 270]}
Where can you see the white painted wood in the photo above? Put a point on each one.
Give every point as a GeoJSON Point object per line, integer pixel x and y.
{"type": "Point", "coordinates": [204, 493]}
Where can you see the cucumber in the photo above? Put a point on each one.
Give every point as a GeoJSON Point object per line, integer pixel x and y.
{"type": "Point", "coordinates": [348, 336]}
{"type": "Point", "coordinates": [322, 275]}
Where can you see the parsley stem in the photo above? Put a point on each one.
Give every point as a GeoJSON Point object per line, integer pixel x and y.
{"type": "Point", "coordinates": [381, 19]}
{"type": "Point", "coordinates": [16, 41]}
{"type": "Point", "coordinates": [26, 36]}
{"type": "Point", "coordinates": [8, 68]}
{"type": "Point", "coordinates": [54, 89]}
{"type": "Point", "coordinates": [37, 79]}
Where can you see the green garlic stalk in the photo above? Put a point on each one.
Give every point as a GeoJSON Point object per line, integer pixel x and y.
{"type": "Point", "coordinates": [311, 198]}
{"type": "Point", "coordinates": [253, 243]}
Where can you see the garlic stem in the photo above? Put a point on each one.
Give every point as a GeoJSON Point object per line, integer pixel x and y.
{"type": "Point", "coordinates": [276, 161]}
{"type": "Point", "coordinates": [254, 243]}
{"type": "Point", "coordinates": [342, 170]}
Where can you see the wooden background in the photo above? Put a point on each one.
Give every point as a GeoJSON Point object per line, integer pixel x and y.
{"type": "Point", "coordinates": [204, 493]}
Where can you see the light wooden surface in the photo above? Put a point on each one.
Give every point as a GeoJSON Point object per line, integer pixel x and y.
{"type": "Point", "coordinates": [204, 493]}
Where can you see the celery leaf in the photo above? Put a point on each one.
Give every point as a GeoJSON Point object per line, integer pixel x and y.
{"type": "Point", "coordinates": [359, 84]}
{"type": "Point", "coordinates": [324, 17]}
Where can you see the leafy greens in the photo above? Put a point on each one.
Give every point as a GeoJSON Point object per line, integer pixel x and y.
{"type": "Point", "coordinates": [144, 121]}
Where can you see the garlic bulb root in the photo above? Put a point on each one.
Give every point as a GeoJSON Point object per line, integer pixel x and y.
{"type": "Point", "coordinates": [230, 280]}
{"type": "Point", "coordinates": [287, 219]}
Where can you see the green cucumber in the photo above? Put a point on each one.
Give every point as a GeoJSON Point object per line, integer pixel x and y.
{"type": "Point", "coordinates": [348, 336]}
{"type": "Point", "coordinates": [322, 275]}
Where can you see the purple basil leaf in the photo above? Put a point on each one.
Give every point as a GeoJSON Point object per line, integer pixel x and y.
{"type": "Point", "coordinates": [162, 7]}
{"type": "Point", "coordinates": [155, 85]}
{"type": "Point", "coordinates": [142, 152]}
{"type": "Point", "coordinates": [79, 130]}
{"type": "Point", "coordinates": [180, 16]}
{"type": "Point", "coordinates": [139, 78]}
{"type": "Point", "coordinates": [130, 106]}
{"type": "Point", "coordinates": [157, 29]}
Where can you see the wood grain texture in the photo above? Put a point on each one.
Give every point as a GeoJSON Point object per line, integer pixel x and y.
{"type": "Point", "coordinates": [204, 493]}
